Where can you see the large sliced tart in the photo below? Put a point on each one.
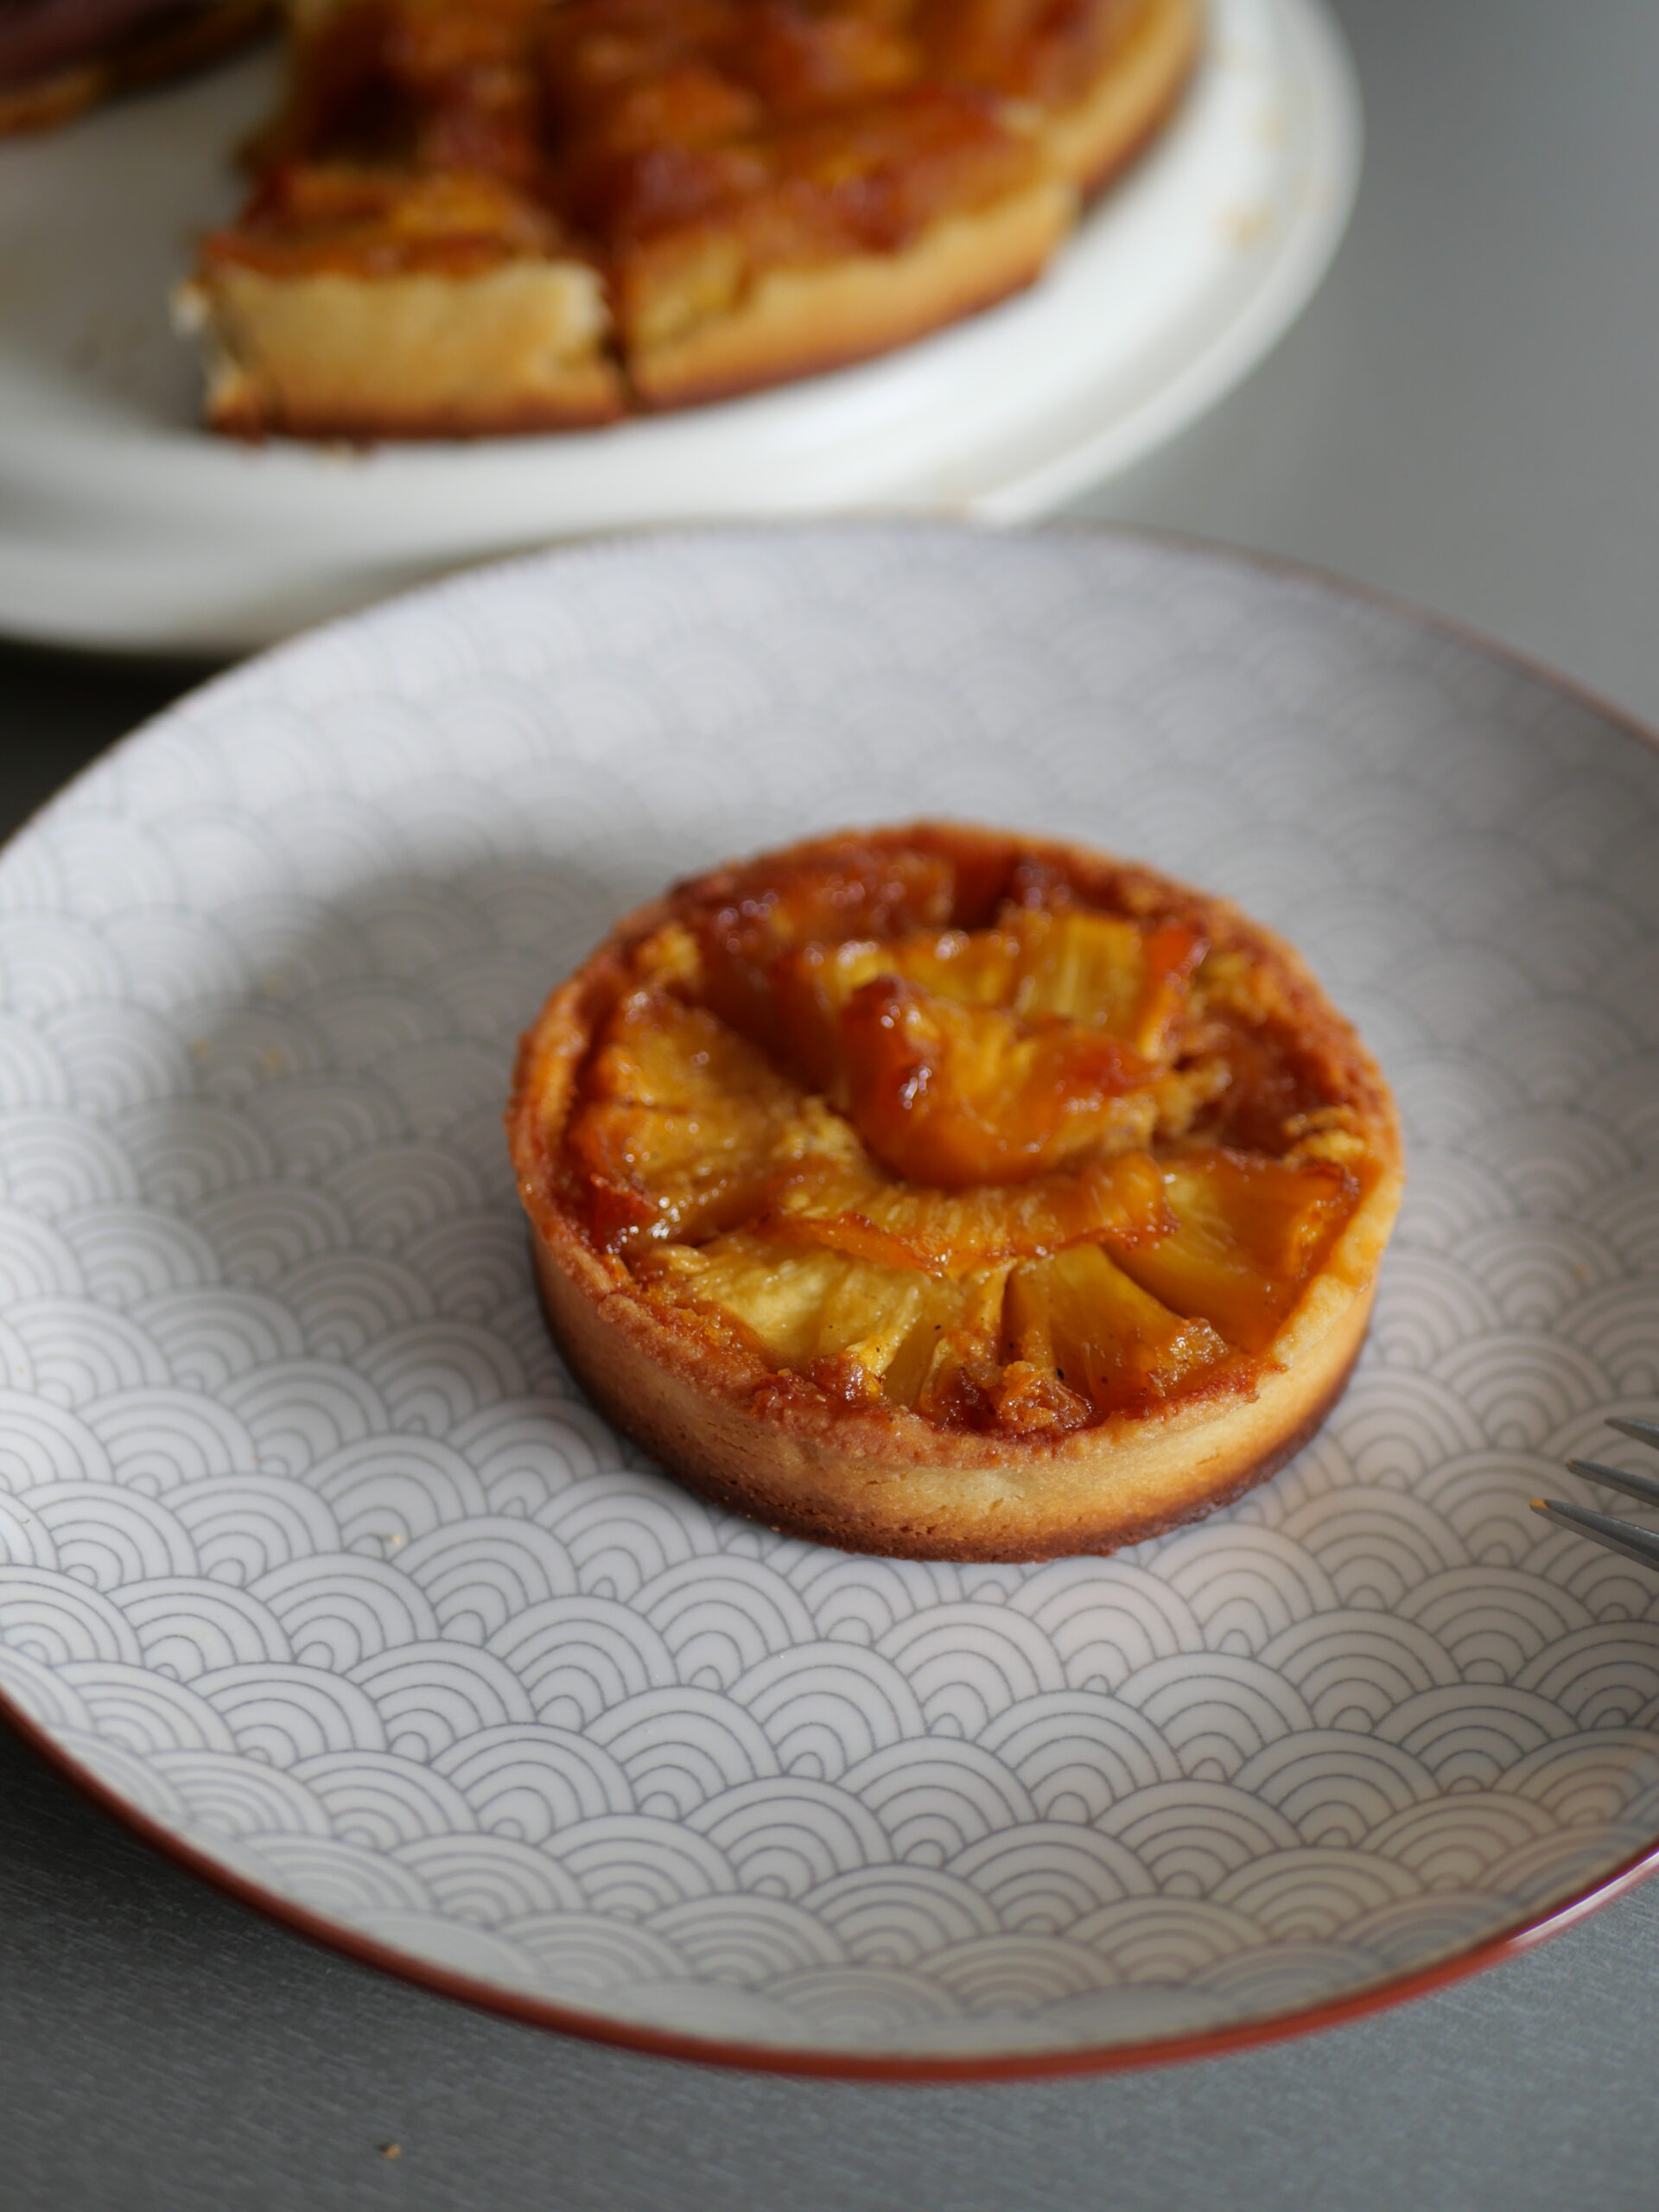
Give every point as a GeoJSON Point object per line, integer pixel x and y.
{"type": "Point", "coordinates": [479, 215]}
{"type": "Point", "coordinates": [952, 1194]}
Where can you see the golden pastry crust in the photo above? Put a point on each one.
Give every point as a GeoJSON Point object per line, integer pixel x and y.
{"type": "Point", "coordinates": [1093, 139]}
{"type": "Point", "coordinates": [761, 190]}
{"type": "Point", "coordinates": [795, 322]}
{"type": "Point", "coordinates": [816, 1449]}
{"type": "Point", "coordinates": [413, 355]}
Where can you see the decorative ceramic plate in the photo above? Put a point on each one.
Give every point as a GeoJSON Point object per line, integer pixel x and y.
{"type": "Point", "coordinates": [322, 1574]}
{"type": "Point", "coordinates": [123, 524]}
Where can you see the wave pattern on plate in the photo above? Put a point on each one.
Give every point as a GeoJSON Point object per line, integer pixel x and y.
{"type": "Point", "coordinates": [311, 1551]}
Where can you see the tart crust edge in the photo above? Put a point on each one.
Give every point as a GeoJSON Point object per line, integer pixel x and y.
{"type": "Point", "coordinates": [799, 322]}
{"type": "Point", "coordinates": [1099, 138]}
{"type": "Point", "coordinates": [976, 1498]}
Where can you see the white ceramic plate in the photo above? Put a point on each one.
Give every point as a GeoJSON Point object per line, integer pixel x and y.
{"type": "Point", "coordinates": [121, 523]}
{"type": "Point", "coordinates": [324, 1574]}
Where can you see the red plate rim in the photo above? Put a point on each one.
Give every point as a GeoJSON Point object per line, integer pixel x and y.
{"type": "Point", "coordinates": [835, 2065]}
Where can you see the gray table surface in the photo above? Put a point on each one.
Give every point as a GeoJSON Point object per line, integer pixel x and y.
{"type": "Point", "coordinates": [1467, 417]}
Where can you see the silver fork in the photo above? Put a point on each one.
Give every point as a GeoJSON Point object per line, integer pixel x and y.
{"type": "Point", "coordinates": [1624, 1536]}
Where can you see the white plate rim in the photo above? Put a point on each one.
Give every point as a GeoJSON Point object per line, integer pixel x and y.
{"type": "Point", "coordinates": [59, 582]}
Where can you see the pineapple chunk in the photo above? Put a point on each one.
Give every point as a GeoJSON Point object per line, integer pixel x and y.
{"type": "Point", "coordinates": [1082, 1320]}
{"type": "Point", "coordinates": [655, 1050]}
{"type": "Point", "coordinates": [850, 1207]}
{"type": "Point", "coordinates": [910, 1329]}
{"type": "Point", "coordinates": [861, 893]}
{"type": "Point", "coordinates": [1107, 973]}
{"type": "Point", "coordinates": [684, 1124]}
{"type": "Point", "coordinates": [1248, 1232]}
{"type": "Point", "coordinates": [897, 1329]}
{"type": "Point", "coordinates": [778, 1296]}
{"type": "Point", "coordinates": [970, 969]}
{"type": "Point", "coordinates": [1094, 969]}
{"type": "Point", "coordinates": [669, 960]}
{"type": "Point", "coordinates": [953, 1095]}
{"type": "Point", "coordinates": [813, 984]}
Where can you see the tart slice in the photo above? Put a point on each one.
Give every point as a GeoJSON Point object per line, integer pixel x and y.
{"type": "Point", "coordinates": [399, 269]}
{"type": "Point", "coordinates": [952, 1194]}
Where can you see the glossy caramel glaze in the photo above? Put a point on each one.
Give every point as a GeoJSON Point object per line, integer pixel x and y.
{"type": "Point", "coordinates": [943, 1132]}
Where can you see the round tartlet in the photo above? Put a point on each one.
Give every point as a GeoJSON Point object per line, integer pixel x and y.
{"type": "Point", "coordinates": [953, 1194]}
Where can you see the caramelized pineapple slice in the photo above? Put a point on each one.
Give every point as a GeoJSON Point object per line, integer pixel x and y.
{"type": "Point", "coordinates": [777, 1295]}
{"type": "Point", "coordinates": [1107, 973]}
{"type": "Point", "coordinates": [912, 1331]}
{"type": "Point", "coordinates": [1094, 969]}
{"type": "Point", "coordinates": [953, 1095]}
{"type": "Point", "coordinates": [813, 984]}
{"type": "Point", "coordinates": [860, 892]}
{"type": "Point", "coordinates": [893, 1329]}
{"type": "Point", "coordinates": [849, 1207]}
{"type": "Point", "coordinates": [684, 1124]}
{"type": "Point", "coordinates": [1248, 1233]}
{"type": "Point", "coordinates": [655, 1050]}
{"type": "Point", "coordinates": [1080, 1320]}
{"type": "Point", "coordinates": [669, 960]}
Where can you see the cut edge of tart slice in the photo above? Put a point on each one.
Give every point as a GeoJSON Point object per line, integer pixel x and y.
{"type": "Point", "coordinates": [413, 355]}
{"type": "Point", "coordinates": [350, 304]}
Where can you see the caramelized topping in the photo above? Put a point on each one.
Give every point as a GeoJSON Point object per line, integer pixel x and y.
{"type": "Point", "coordinates": [695, 144]}
{"type": "Point", "coordinates": [1084, 1322]}
{"type": "Point", "coordinates": [886, 1332]}
{"type": "Point", "coordinates": [846, 1205]}
{"type": "Point", "coordinates": [1247, 1234]}
{"type": "Point", "coordinates": [958, 1095]}
{"type": "Point", "coordinates": [955, 1130]}
{"type": "Point", "coordinates": [685, 1127]}
{"type": "Point", "coordinates": [1043, 50]}
{"type": "Point", "coordinates": [343, 218]}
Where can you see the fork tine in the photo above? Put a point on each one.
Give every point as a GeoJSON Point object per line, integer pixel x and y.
{"type": "Point", "coordinates": [1644, 1431]}
{"type": "Point", "coordinates": [1601, 1528]}
{"type": "Point", "coordinates": [1642, 1486]}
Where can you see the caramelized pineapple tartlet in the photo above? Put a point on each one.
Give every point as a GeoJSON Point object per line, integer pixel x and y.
{"type": "Point", "coordinates": [953, 1194]}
